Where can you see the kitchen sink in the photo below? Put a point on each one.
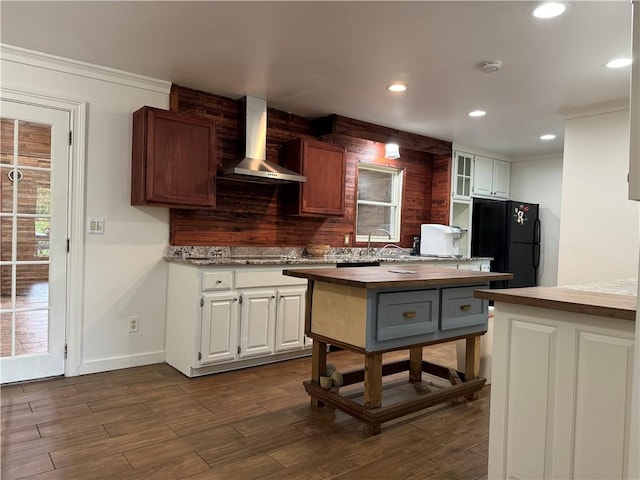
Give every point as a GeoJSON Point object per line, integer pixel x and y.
{"type": "Point", "coordinates": [243, 257]}
{"type": "Point", "coordinates": [396, 257]}
{"type": "Point", "coordinates": [358, 264]}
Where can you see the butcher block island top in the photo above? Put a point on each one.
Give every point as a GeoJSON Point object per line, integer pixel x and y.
{"type": "Point", "coordinates": [573, 300]}
{"type": "Point", "coordinates": [371, 310]}
{"type": "Point", "coordinates": [388, 276]}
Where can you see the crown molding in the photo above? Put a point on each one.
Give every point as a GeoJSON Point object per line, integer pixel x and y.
{"type": "Point", "coordinates": [539, 158]}
{"type": "Point", "coordinates": [596, 109]}
{"type": "Point", "coordinates": [82, 69]}
{"type": "Point", "coordinates": [469, 150]}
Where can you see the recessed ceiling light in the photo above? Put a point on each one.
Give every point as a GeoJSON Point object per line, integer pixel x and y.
{"type": "Point", "coordinates": [477, 113]}
{"type": "Point", "coordinates": [547, 136]}
{"type": "Point", "coordinates": [619, 63]}
{"type": "Point", "coordinates": [549, 10]}
{"type": "Point", "coordinates": [397, 87]}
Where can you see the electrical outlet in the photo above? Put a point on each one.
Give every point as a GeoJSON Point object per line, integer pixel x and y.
{"type": "Point", "coordinates": [134, 324]}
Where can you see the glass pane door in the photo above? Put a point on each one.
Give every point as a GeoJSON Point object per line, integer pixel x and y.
{"type": "Point", "coordinates": [32, 323]}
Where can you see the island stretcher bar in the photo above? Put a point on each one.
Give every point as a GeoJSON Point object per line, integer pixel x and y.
{"type": "Point", "coordinates": [373, 310]}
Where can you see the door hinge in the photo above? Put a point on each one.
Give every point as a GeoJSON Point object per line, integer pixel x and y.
{"type": "Point", "coordinates": [68, 241]}
{"type": "Point", "coordinates": [70, 137]}
{"type": "Point", "coordinates": [238, 349]}
{"type": "Point", "coordinates": [65, 351]}
{"type": "Point", "coordinates": [202, 301]}
{"type": "Point", "coordinates": [240, 303]}
{"type": "Point", "coordinates": [199, 355]}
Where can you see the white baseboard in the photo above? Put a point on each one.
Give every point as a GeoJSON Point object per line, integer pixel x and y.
{"type": "Point", "coordinates": [116, 363]}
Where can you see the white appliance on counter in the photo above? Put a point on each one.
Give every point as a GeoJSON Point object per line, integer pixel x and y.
{"type": "Point", "coordinates": [439, 240]}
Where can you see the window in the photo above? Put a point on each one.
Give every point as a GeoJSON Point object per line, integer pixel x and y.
{"type": "Point", "coordinates": [379, 202]}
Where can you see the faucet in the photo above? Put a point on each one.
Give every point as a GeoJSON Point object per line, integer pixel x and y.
{"type": "Point", "coordinates": [397, 248]}
{"type": "Point", "coordinates": [369, 240]}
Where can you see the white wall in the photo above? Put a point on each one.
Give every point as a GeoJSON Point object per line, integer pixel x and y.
{"type": "Point", "coordinates": [124, 272]}
{"type": "Point", "coordinates": [599, 236]}
{"type": "Point", "coordinates": [540, 181]}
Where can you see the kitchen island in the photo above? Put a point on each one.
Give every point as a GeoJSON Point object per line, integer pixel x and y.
{"type": "Point", "coordinates": [561, 380]}
{"type": "Point", "coordinates": [231, 307]}
{"type": "Point", "coordinates": [372, 310]}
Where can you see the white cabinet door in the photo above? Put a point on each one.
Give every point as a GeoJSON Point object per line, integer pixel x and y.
{"type": "Point", "coordinates": [219, 339]}
{"type": "Point", "coordinates": [501, 179]}
{"type": "Point", "coordinates": [462, 175]}
{"type": "Point", "coordinates": [257, 321]}
{"type": "Point", "coordinates": [560, 394]}
{"type": "Point", "coordinates": [473, 266]}
{"type": "Point", "coordinates": [290, 319]}
{"type": "Point", "coordinates": [482, 176]}
{"type": "Point", "coordinates": [491, 177]}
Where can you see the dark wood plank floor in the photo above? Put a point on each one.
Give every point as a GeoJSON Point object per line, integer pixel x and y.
{"type": "Point", "coordinates": [152, 422]}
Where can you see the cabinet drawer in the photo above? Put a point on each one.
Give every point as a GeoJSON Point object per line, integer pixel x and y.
{"type": "Point", "coordinates": [263, 278]}
{"type": "Point", "coordinates": [219, 280]}
{"type": "Point", "coordinates": [460, 309]}
{"type": "Point", "coordinates": [405, 314]}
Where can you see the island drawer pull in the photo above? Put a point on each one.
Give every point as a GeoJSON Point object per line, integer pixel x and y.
{"type": "Point", "coordinates": [465, 308]}
{"type": "Point", "coordinates": [408, 314]}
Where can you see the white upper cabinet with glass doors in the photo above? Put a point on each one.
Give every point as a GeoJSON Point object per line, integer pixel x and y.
{"type": "Point", "coordinates": [462, 176]}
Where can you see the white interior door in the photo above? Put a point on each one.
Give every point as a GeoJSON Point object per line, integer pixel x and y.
{"type": "Point", "coordinates": [34, 175]}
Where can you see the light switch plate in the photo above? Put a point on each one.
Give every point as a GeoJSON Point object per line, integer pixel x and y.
{"type": "Point", "coordinates": [95, 226]}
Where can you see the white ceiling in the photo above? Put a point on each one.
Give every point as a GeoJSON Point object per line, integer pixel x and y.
{"type": "Point", "coordinates": [317, 58]}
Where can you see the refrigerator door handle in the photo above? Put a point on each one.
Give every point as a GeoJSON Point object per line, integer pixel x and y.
{"type": "Point", "coordinates": [536, 231]}
{"type": "Point", "coordinates": [536, 255]}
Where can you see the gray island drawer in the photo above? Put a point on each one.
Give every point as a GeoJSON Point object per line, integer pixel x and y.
{"type": "Point", "coordinates": [460, 309]}
{"type": "Point", "coordinates": [407, 313]}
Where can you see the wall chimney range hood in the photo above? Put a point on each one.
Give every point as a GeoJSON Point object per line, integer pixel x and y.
{"type": "Point", "coordinates": [254, 167]}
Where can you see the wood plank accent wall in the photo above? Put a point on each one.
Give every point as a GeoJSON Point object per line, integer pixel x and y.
{"type": "Point", "coordinates": [359, 129]}
{"type": "Point", "coordinates": [249, 214]}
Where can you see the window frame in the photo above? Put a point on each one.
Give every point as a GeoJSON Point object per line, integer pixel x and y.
{"type": "Point", "coordinates": [396, 201]}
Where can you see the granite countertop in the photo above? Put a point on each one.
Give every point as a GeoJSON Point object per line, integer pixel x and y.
{"type": "Point", "coordinates": [236, 256]}
{"type": "Point", "coordinates": [627, 286]}
{"type": "Point", "coordinates": [609, 299]}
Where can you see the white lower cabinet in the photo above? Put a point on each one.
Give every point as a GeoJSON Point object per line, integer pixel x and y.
{"type": "Point", "coordinates": [219, 340]}
{"type": "Point", "coordinates": [476, 265]}
{"type": "Point", "coordinates": [290, 319]}
{"type": "Point", "coordinates": [257, 322]}
{"type": "Point", "coordinates": [224, 319]}
{"type": "Point", "coordinates": [560, 394]}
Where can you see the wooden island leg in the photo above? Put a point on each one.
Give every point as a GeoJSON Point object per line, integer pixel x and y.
{"type": "Point", "coordinates": [415, 364]}
{"type": "Point", "coordinates": [372, 388]}
{"type": "Point", "coordinates": [472, 362]}
{"type": "Point", "coordinates": [318, 366]}
{"type": "Point", "coordinates": [372, 380]}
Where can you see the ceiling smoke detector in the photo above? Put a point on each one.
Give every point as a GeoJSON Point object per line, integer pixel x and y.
{"type": "Point", "coordinates": [490, 66]}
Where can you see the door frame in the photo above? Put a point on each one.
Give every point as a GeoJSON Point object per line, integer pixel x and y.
{"type": "Point", "coordinates": [74, 320]}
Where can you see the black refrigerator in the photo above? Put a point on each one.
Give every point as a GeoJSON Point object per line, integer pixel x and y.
{"type": "Point", "coordinates": [508, 231]}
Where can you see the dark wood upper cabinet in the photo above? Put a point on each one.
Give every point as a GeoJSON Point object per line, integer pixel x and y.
{"type": "Point", "coordinates": [324, 166]}
{"type": "Point", "coordinates": [173, 160]}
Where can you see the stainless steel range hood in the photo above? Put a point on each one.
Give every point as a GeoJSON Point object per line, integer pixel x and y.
{"type": "Point", "coordinates": [254, 167]}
